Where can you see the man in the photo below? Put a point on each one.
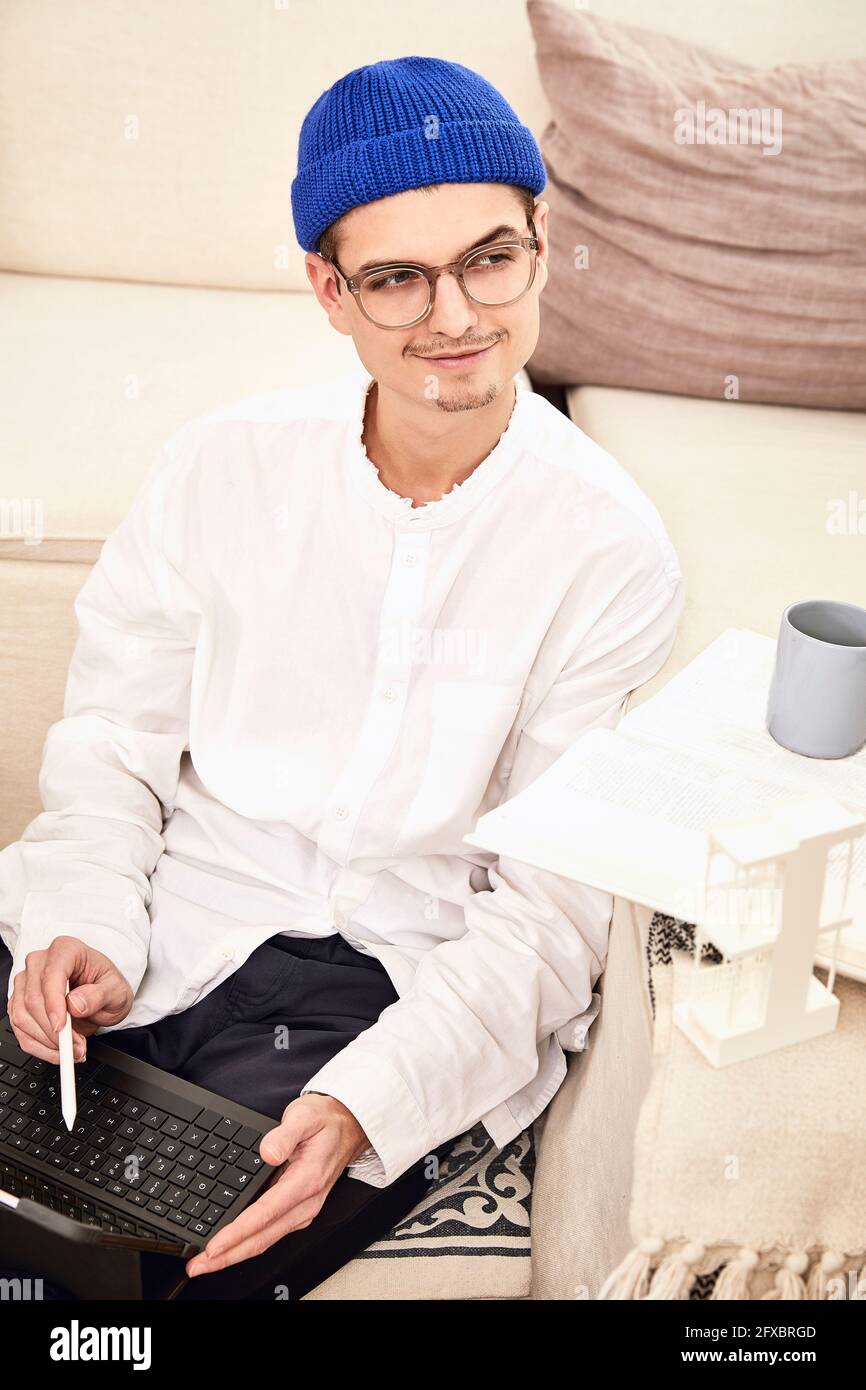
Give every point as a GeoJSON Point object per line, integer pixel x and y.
{"type": "Point", "coordinates": [337, 625]}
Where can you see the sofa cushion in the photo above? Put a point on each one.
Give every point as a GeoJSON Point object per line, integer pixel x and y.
{"type": "Point", "coordinates": [707, 219]}
{"type": "Point", "coordinates": [107, 370]}
{"type": "Point", "coordinates": [477, 1214]}
{"type": "Point", "coordinates": [764, 504]}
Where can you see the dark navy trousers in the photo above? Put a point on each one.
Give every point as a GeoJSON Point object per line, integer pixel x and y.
{"type": "Point", "coordinates": [323, 993]}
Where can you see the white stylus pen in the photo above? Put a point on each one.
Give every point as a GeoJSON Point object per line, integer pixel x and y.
{"type": "Point", "coordinates": [68, 1101]}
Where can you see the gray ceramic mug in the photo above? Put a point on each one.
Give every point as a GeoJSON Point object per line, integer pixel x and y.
{"type": "Point", "coordinates": [817, 702]}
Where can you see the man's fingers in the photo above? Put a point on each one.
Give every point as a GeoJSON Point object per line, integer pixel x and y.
{"type": "Point", "coordinates": [33, 999]}
{"type": "Point", "coordinates": [29, 1044]}
{"type": "Point", "coordinates": [30, 1035]}
{"type": "Point", "coordinates": [23, 1021]}
{"type": "Point", "coordinates": [65, 959]}
{"type": "Point", "coordinates": [254, 1244]}
{"type": "Point", "coordinates": [86, 1000]}
{"type": "Point", "coordinates": [297, 1124]}
{"type": "Point", "coordinates": [301, 1183]}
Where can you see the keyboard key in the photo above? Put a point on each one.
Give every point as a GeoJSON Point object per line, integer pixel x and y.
{"type": "Point", "coordinates": [227, 1129]}
{"type": "Point", "coordinates": [210, 1167]}
{"type": "Point", "coordinates": [207, 1119]}
{"type": "Point", "coordinates": [181, 1176]}
{"type": "Point", "coordinates": [117, 1188]}
{"type": "Point", "coordinates": [130, 1130]}
{"type": "Point", "coordinates": [235, 1177]}
{"type": "Point", "coordinates": [251, 1162]}
{"type": "Point", "coordinates": [180, 1217]}
{"type": "Point", "coordinates": [232, 1153]}
{"type": "Point", "coordinates": [135, 1109]}
{"type": "Point", "coordinates": [189, 1158]}
{"type": "Point", "coordinates": [173, 1127]}
{"type": "Point", "coordinates": [153, 1118]}
{"type": "Point", "coordinates": [213, 1215]}
{"type": "Point", "coordinates": [214, 1146]}
{"type": "Point", "coordinates": [199, 1228]}
{"type": "Point", "coordinates": [194, 1136]}
{"type": "Point", "coordinates": [222, 1195]}
{"type": "Point", "coordinates": [201, 1186]}
{"type": "Point", "coordinates": [158, 1208]}
{"type": "Point", "coordinates": [116, 1099]}
{"type": "Point", "coordinates": [247, 1138]}
{"type": "Point", "coordinates": [149, 1139]}
{"type": "Point", "coordinates": [175, 1196]}
{"type": "Point", "coordinates": [153, 1186]}
{"type": "Point", "coordinates": [170, 1147]}
{"type": "Point", "coordinates": [141, 1157]}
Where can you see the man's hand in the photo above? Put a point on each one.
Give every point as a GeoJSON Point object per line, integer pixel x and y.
{"type": "Point", "coordinates": [315, 1140]}
{"type": "Point", "coordinates": [98, 997]}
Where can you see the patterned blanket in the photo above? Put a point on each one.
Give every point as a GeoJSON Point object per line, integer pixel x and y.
{"type": "Point", "coordinates": [748, 1178]}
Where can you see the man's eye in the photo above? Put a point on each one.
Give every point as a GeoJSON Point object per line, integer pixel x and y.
{"type": "Point", "coordinates": [393, 280]}
{"type": "Point", "coordinates": [493, 258]}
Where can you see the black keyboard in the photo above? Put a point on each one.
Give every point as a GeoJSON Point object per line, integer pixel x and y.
{"type": "Point", "coordinates": [140, 1160]}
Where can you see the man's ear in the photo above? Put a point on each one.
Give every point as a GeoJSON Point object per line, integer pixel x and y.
{"type": "Point", "coordinates": [539, 217]}
{"type": "Point", "coordinates": [328, 291]}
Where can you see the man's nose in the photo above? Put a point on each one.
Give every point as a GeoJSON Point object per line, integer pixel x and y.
{"type": "Point", "coordinates": [452, 311]}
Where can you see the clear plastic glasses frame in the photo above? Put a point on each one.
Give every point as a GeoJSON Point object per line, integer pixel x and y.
{"type": "Point", "coordinates": [355, 283]}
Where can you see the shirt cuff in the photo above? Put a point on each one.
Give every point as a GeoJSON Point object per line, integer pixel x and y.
{"type": "Point", "coordinates": [384, 1107]}
{"type": "Point", "coordinates": [47, 915]}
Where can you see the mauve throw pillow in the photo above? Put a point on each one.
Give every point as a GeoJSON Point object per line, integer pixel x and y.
{"type": "Point", "coordinates": [707, 220]}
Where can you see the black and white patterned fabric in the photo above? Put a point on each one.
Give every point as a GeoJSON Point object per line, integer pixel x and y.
{"type": "Point", "coordinates": [480, 1205]}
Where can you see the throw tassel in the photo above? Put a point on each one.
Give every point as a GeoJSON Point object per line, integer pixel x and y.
{"type": "Point", "coordinates": [630, 1279]}
{"type": "Point", "coordinates": [735, 1280]}
{"type": "Point", "coordinates": [675, 1275]}
{"type": "Point", "coordinates": [816, 1284]}
{"type": "Point", "coordinates": [789, 1283]}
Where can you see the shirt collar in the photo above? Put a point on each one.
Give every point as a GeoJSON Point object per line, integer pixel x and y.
{"type": "Point", "coordinates": [454, 503]}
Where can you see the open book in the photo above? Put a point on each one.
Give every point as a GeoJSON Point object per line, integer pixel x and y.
{"type": "Point", "coordinates": [629, 810]}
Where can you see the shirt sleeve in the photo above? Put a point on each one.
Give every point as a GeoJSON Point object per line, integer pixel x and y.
{"type": "Point", "coordinates": [82, 866]}
{"type": "Point", "coordinates": [468, 1034]}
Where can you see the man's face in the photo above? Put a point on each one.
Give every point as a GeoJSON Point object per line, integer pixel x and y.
{"type": "Point", "coordinates": [433, 229]}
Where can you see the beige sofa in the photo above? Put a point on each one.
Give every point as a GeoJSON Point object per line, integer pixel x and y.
{"type": "Point", "coordinates": [149, 274]}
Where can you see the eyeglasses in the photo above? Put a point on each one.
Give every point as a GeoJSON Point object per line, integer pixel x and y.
{"type": "Point", "coordinates": [400, 294]}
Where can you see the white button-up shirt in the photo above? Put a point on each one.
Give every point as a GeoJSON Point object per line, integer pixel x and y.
{"type": "Point", "coordinates": [293, 693]}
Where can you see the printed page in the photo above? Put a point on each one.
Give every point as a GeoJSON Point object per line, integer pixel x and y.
{"type": "Point", "coordinates": [656, 805]}
{"type": "Point", "coordinates": [715, 709]}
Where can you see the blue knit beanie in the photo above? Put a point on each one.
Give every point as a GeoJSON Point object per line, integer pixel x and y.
{"type": "Point", "coordinates": [403, 123]}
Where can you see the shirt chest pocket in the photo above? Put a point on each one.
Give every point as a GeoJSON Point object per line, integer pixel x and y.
{"type": "Point", "coordinates": [470, 727]}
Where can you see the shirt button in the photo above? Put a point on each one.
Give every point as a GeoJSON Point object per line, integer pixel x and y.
{"type": "Point", "coordinates": [341, 812]}
{"type": "Point", "coordinates": [339, 920]}
{"type": "Point", "coordinates": [409, 557]}
{"type": "Point", "coordinates": [389, 693]}
{"type": "Point", "coordinates": [227, 953]}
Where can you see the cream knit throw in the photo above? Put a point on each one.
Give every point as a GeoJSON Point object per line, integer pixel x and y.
{"type": "Point", "coordinates": [759, 1167]}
